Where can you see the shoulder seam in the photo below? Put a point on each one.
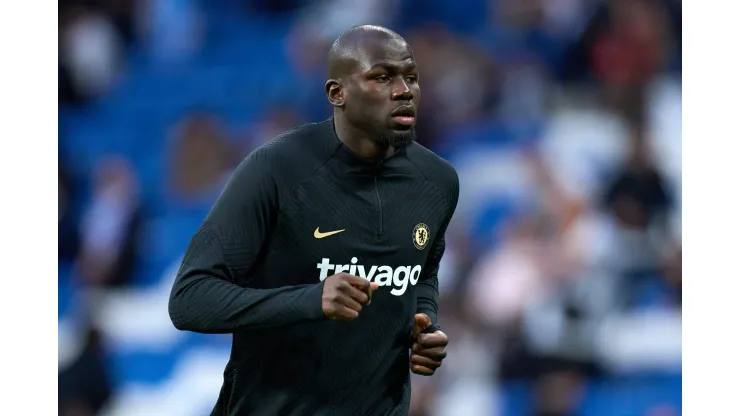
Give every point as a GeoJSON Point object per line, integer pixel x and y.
{"type": "Point", "coordinates": [444, 194]}
{"type": "Point", "coordinates": [310, 176]}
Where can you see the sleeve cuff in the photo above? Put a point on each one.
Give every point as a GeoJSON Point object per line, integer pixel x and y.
{"type": "Point", "coordinates": [313, 302]}
{"type": "Point", "coordinates": [431, 329]}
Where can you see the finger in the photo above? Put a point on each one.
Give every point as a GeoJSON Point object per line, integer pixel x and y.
{"type": "Point", "coordinates": [433, 340]}
{"type": "Point", "coordinates": [422, 320]}
{"type": "Point", "coordinates": [425, 362]}
{"type": "Point", "coordinates": [421, 370]}
{"type": "Point", "coordinates": [354, 293]}
{"type": "Point", "coordinates": [437, 354]}
{"type": "Point", "coordinates": [373, 287]}
{"type": "Point", "coordinates": [358, 282]}
{"type": "Point", "coordinates": [350, 303]}
{"type": "Point", "coordinates": [363, 285]}
{"type": "Point", "coordinates": [344, 313]}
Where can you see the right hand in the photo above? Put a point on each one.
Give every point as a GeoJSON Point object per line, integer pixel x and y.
{"type": "Point", "coordinates": [344, 295]}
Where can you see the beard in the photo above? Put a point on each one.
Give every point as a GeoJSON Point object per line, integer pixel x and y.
{"type": "Point", "coordinates": [398, 139]}
{"type": "Point", "coordinates": [382, 131]}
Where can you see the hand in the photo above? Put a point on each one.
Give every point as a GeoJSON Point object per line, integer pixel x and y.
{"type": "Point", "coordinates": [428, 350]}
{"type": "Point", "coordinates": [344, 295]}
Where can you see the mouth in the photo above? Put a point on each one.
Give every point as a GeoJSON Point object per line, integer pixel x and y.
{"type": "Point", "coordinates": [404, 115]}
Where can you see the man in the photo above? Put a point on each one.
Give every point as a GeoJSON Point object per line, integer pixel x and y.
{"type": "Point", "coordinates": [321, 254]}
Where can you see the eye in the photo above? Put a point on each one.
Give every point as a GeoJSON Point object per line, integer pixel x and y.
{"type": "Point", "coordinates": [412, 79]}
{"type": "Point", "coordinates": [382, 78]}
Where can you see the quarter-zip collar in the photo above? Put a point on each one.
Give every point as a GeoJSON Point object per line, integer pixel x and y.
{"type": "Point", "coordinates": [353, 163]}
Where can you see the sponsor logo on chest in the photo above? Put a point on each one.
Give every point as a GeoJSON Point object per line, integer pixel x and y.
{"type": "Point", "coordinates": [398, 278]}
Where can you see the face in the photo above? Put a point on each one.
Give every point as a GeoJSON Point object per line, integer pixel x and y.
{"type": "Point", "coordinates": [381, 95]}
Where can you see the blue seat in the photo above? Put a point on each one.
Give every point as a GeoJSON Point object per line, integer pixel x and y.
{"type": "Point", "coordinates": [144, 367]}
{"type": "Point", "coordinates": [631, 395]}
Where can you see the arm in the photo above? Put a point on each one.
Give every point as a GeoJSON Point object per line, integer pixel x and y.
{"type": "Point", "coordinates": [205, 297]}
{"type": "Point", "coordinates": [429, 343]}
{"type": "Point", "coordinates": [427, 292]}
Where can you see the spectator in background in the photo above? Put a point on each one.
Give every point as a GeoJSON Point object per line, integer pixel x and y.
{"type": "Point", "coordinates": [200, 160]}
{"type": "Point", "coordinates": [447, 103]}
{"type": "Point", "coordinates": [630, 52]}
{"type": "Point", "coordinates": [625, 45]}
{"type": "Point", "coordinates": [111, 226]}
{"type": "Point", "coordinates": [90, 51]}
{"type": "Point", "coordinates": [637, 201]}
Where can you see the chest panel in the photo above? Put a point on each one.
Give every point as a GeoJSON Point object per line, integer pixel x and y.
{"type": "Point", "coordinates": [377, 227]}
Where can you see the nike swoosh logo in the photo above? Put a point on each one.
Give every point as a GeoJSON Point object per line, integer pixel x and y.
{"type": "Point", "coordinates": [319, 234]}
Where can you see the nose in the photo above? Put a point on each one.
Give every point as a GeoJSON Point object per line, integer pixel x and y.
{"type": "Point", "coordinates": [402, 92]}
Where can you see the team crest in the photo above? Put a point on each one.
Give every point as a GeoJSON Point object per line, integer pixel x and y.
{"type": "Point", "coordinates": [420, 236]}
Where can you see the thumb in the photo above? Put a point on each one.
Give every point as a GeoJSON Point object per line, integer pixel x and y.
{"type": "Point", "coordinates": [373, 288]}
{"type": "Point", "coordinates": [421, 322]}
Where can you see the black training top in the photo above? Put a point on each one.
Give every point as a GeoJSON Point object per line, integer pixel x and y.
{"type": "Point", "coordinates": [298, 209]}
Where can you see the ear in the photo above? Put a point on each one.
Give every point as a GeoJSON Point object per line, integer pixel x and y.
{"type": "Point", "coordinates": [334, 92]}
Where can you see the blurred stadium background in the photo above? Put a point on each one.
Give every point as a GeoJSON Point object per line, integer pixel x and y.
{"type": "Point", "coordinates": [561, 285]}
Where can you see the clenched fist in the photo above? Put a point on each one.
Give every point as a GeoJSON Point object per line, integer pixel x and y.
{"type": "Point", "coordinates": [428, 350]}
{"type": "Point", "coordinates": [344, 295]}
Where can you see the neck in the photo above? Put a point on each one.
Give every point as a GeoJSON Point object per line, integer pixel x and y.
{"type": "Point", "coordinates": [359, 141]}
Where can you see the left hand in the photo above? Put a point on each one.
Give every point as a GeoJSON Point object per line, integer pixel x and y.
{"type": "Point", "coordinates": [428, 350]}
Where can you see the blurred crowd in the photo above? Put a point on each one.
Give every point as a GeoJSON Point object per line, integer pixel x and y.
{"type": "Point", "coordinates": [562, 117]}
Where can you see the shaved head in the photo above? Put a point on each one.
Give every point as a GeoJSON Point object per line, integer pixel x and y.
{"type": "Point", "coordinates": [348, 49]}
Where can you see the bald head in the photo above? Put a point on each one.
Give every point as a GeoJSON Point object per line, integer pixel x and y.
{"type": "Point", "coordinates": [351, 46]}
